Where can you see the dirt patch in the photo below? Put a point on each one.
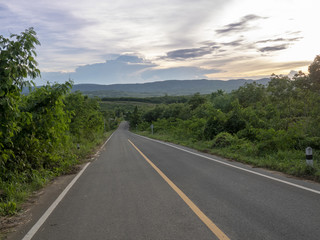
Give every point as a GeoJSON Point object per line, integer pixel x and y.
{"type": "Point", "coordinates": [8, 224]}
{"type": "Point", "coordinates": [73, 170]}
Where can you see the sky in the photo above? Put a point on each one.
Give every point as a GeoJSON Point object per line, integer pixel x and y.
{"type": "Point", "coordinates": [135, 41]}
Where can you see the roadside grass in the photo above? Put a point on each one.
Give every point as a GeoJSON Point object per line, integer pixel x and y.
{"type": "Point", "coordinates": [21, 185]}
{"type": "Point", "coordinates": [291, 162]}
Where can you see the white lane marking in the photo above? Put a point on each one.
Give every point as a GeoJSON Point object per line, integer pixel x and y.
{"type": "Point", "coordinates": [230, 165]}
{"type": "Point", "coordinates": [98, 152]}
{"type": "Point", "coordinates": [44, 217]}
{"type": "Point", "coordinates": [106, 141]}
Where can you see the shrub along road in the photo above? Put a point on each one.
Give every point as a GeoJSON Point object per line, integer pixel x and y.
{"type": "Point", "coordinates": [143, 189]}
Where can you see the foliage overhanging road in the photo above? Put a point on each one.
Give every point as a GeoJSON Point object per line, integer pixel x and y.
{"type": "Point", "coordinates": [121, 196]}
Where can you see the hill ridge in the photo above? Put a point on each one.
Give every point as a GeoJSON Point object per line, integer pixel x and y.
{"type": "Point", "coordinates": [159, 88]}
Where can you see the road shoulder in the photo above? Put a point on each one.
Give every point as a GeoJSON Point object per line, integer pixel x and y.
{"type": "Point", "coordinates": [15, 227]}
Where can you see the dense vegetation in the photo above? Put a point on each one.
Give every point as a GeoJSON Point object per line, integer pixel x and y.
{"type": "Point", "coordinates": [161, 99]}
{"type": "Point", "coordinates": [42, 134]}
{"type": "Point", "coordinates": [265, 125]}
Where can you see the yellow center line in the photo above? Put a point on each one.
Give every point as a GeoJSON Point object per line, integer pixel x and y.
{"type": "Point", "coordinates": [214, 229]}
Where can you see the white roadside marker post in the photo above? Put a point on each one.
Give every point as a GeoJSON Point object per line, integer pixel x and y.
{"type": "Point", "coordinates": [309, 158]}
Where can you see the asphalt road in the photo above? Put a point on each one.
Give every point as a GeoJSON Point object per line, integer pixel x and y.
{"type": "Point", "coordinates": [121, 195]}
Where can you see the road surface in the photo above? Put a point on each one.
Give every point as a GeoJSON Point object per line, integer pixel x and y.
{"type": "Point", "coordinates": [144, 189]}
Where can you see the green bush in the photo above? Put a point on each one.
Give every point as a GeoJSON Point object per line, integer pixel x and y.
{"type": "Point", "coordinates": [86, 120]}
{"type": "Point", "coordinates": [248, 133]}
{"type": "Point", "coordinates": [313, 142]}
{"type": "Point", "coordinates": [9, 208]}
{"type": "Point", "coordinates": [144, 126]}
{"type": "Point", "coordinates": [214, 126]}
{"type": "Point", "coordinates": [224, 139]}
{"type": "Point", "coordinates": [270, 140]}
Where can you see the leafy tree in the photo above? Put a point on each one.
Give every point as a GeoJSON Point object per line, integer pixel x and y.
{"type": "Point", "coordinates": [154, 114]}
{"type": "Point", "coordinates": [218, 93]}
{"type": "Point", "coordinates": [86, 118]}
{"type": "Point", "coordinates": [314, 73]}
{"type": "Point", "coordinates": [196, 100]}
{"type": "Point", "coordinates": [235, 121]}
{"type": "Point", "coordinates": [301, 81]}
{"type": "Point", "coordinates": [223, 102]}
{"type": "Point", "coordinates": [214, 125]}
{"type": "Point", "coordinates": [42, 141]}
{"type": "Point", "coordinates": [250, 94]}
{"type": "Point", "coordinates": [135, 118]}
{"type": "Point", "coordinates": [282, 94]}
{"type": "Point", "coordinates": [204, 111]}
{"type": "Point", "coordinates": [16, 63]}
{"type": "Point", "coordinates": [279, 87]}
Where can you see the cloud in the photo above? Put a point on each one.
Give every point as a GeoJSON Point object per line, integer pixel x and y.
{"type": "Point", "coordinates": [256, 67]}
{"type": "Point", "coordinates": [122, 69]}
{"type": "Point", "coordinates": [74, 33]}
{"type": "Point", "coordinates": [208, 47]}
{"type": "Point", "coordinates": [274, 48]}
{"type": "Point", "coordinates": [131, 59]}
{"type": "Point", "coordinates": [179, 21]}
{"type": "Point", "coordinates": [3, 11]}
{"type": "Point", "coordinates": [212, 48]}
{"type": "Point", "coordinates": [58, 29]}
{"type": "Point", "coordinates": [125, 69]}
{"type": "Point", "coordinates": [9, 21]}
{"type": "Point", "coordinates": [281, 40]}
{"type": "Point", "coordinates": [292, 73]}
{"type": "Point", "coordinates": [235, 43]}
{"type": "Point", "coordinates": [189, 53]}
{"type": "Point", "coordinates": [293, 32]}
{"type": "Point", "coordinates": [240, 26]}
{"type": "Point", "coordinates": [168, 32]}
{"type": "Point", "coordinates": [49, 20]}
{"type": "Point", "coordinates": [280, 43]}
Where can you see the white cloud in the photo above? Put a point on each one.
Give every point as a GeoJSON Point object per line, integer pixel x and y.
{"type": "Point", "coordinates": [171, 33]}
{"type": "Point", "coordinates": [125, 69]}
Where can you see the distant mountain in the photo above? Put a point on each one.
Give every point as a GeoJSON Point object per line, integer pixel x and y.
{"type": "Point", "coordinates": [169, 87]}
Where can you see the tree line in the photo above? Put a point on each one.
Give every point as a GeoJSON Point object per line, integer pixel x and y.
{"type": "Point", "coordinates": [156, 100]}
{"type": "Point", "coordinates": [280, 119]}
{"type": "Point", "coordinates": [40, 132]}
